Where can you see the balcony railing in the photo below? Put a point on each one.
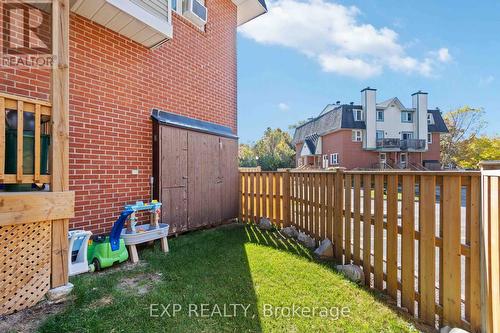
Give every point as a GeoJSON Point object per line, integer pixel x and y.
{"type": "Point", "coordinates": [394, 143]}
{"type": "Point", "coordinates": [413, 144]}
{"type": "Point", "coordinates": [389, 143]}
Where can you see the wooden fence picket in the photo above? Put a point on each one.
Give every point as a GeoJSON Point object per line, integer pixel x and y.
{"type": "Point", "coordinates": [408, 244]}
{"type": "Point", "coordinates": [367, 227]}
{"type": "Point", "coordinates": [392, 236]}
{"type": "Point", "coordinates": [357, 220]}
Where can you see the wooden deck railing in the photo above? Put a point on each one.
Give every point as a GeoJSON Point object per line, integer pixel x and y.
{"type": "Point", "coordinates": [40, 110]}
{"type": "Point", "coordinates": [33, 251]}
{"type": "Point", "coordinates": [416, 234]}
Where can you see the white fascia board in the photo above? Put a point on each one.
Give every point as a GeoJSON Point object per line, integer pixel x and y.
{"type": "Point", "coordinates": [162, 26]}
{"type": "Point", "coordinates": [248, 10]}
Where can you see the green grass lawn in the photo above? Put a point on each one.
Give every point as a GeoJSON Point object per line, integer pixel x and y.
{"type": "Point", "coordinates": [234, 264]}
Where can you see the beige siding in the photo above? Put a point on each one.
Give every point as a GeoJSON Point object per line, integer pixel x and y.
{"type": "Point", "coordinates": [159, 8]}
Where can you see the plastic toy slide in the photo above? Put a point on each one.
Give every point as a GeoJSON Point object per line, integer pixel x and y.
{"type": "Point", "coordinates": [114, 236]}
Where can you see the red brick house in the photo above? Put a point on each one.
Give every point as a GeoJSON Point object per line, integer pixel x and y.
{"type": "Point", "coordinates": [372, 135]}
{"type": "Point", "coordinates": [126, 59]}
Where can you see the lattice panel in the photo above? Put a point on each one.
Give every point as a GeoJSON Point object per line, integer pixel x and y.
{"type": "Point", "coordinates": [24, 265]}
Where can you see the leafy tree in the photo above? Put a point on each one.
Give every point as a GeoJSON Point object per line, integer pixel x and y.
{"type": "Point", "coordinates": [272, 151]}
{"type": "Point", "coordinates": [479, 149]}
{"type": "Point", "coordinates": [464, 125]}
{"type": "Point", "coordinates": [247, 156]}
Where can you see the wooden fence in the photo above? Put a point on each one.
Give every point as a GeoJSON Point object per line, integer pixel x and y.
{"type": "Point", "coordinates": [386, 221]}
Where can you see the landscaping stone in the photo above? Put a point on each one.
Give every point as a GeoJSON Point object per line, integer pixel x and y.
{"type": "Point", "coordinates": [352, 272]}
{"type": "Point", "coordinates": [59, 293]}
{"type": "Point", "coordinates": [448, 329]}
{"type": "Point", "coordinates": [325, 250]}
{"type": "Point", "coordinates": [265, 224]}
{"type": "Point", "coordinates": [306, 240]}
{"type": "Point", "coordinates": [290, 232]}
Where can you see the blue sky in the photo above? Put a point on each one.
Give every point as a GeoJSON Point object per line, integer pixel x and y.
{"type": "Point", "coordinates": [303, 55]}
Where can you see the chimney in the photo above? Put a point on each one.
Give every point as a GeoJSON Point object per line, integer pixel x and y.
{"type": "Point", "coordinates": [338, 103]}
{"type": "Point", "coordinates": [368, 103]}
{"type": "Point", "coordinates": [419, 103]}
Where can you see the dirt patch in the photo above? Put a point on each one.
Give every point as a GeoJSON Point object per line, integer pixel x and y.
{"type": "Point", "coordinates": [139, 284]}
{"type": "Point", "coordinates": [28, 320]}
{"type": "Point", "coordinates": [127, 266]}
{"type": "Point", "coordinates": [106, 300]}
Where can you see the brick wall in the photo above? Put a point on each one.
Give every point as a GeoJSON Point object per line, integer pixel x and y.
{"type": "Point", "coordinates": [114, 84]}
{"type": "Point", "coordinates": [351, 154]}
{"type": "Point", "coordinates": [434, 151]}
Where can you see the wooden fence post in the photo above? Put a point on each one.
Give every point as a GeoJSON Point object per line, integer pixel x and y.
{"type": "Point", "coordinates": [60, 135]}
{"type": "Point", "coordinates": [286, 198]}
{"type": "Point", "coordinates": [338, 214]}
{"type": "Point", "coordinates": [490, 247]}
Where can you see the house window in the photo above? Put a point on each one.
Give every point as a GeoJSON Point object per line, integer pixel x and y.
{"type": "Point", "coordinates": [334, 158]}
{"type": "Point", "coordinates": [380, 135]}
{"type": "Point", "coordinates": [403, 159]}
{"type": "Point", "coordinates": [325, 161]}
{"type": "Point", "coordinates": [429, 137]}
{"type": "Point", "coordinates": [430, 119]}
{"type": "Point", "coordinates": [358, 115]}
{"type": "Point", "coordinates": [380, 115]}
{"type": "Point", "coordinates": [357, 136]}
{"type": "Point", "coordinates": [406, 135]}
{"type": "Point", "coordinates": [406, 117]}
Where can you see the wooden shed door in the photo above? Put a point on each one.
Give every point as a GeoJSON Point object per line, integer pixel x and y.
{"type": "Point", "coordinates": [228, 170]}
{"type": "Point", "coordinates": [173, 180]}
{"type": "Point", "coordinates": [204, 180]}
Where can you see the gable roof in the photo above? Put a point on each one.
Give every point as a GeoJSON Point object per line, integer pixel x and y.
{"type": "Point", "coordinates": [387, 103]}
{"type": "Point", "coordinates": [312, 142]}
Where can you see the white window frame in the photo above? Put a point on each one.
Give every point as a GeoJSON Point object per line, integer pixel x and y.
{"type": "Point", "coordinates": [405, 116]}
{"type": "Point", "coordinates": [429, 138]}
{"type": "Point", "coordinates": [357, 136]}
{"type": "Point", "coordinates": [410, 133]}
{"type": "Point", "coordinates": [401, 158]}
{"type": "Point", "coordinates": [325, 161]}
{"type": "Point", "coordinates": [379, 131]}
{"type": "Point", "coordinates": [382, 113]}
{"type": "Point", "coordinates": [180, 3]}
{"type": "Point", "coordinates": [357, 112]}
{"type": "Point", "coordinates": [334, 159]}
{"type": "Point", "coordinates": [430, 119]}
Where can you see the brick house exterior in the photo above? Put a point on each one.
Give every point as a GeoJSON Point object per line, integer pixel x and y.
{"type": "Point", "coordinates": [372, 135]}
{"type": "Point", "coordinates": [115, 82]}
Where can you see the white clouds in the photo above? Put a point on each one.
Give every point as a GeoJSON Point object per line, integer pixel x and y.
{"type": "Point", "coordinates": [330, 34]}
{"type": "Point", "coordinates": [444, 55]}
{"type": "Point", "coordinates": [346, 66]}
{"type": "Point", "coordinates": [283, 106]}
{"type": "Point", "coordinates": [484, 81]}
